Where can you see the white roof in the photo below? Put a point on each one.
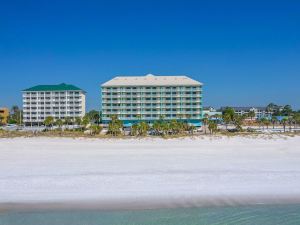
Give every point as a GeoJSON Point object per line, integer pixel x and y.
{"type": "Point", "coordinates": [151, 80]}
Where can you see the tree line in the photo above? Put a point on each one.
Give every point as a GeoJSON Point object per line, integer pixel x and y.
{"type": "Point", "coordinates": [289, 118]}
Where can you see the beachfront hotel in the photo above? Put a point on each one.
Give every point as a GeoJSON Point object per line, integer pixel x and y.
{"type": "Point", "coordinates": [59, 101]}
{"type": "Point", "coordinates": [149, 98]}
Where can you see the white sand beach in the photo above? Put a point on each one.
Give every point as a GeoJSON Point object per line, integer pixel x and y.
{"type": "Point", "coordinates": [148, 173]}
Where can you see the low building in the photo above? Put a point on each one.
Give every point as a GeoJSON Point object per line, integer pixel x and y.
{"type": "Point", "coordinates": [211, 112]}
{"type": "Point", "coordinates": [260, 112]}
{"type": "Point", "coordinates": [4, 114]}
{"type": "Point", "coordinates": [149, 98]}
{"type": "Point", "coordinates": [58, 101]}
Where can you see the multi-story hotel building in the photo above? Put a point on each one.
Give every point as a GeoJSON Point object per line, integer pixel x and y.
{"type": "Point", "coordinates": [59, 101]}
{"type": "Point", "coordinates": [150, 98]}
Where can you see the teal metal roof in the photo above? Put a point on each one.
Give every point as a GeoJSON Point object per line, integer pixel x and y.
{"type": "Point", "coordinates": [58, 87]}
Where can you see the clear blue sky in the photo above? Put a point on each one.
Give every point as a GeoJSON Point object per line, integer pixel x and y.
{"type": "Point", "coordinates": [245, 52]}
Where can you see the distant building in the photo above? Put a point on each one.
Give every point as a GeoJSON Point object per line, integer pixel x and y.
{"type": "Point", "coordinates": [4, 114]}
{"type": "Point", "coordinates": [260, 112]}
{"type": "Point", "coordinates": [149, 98]}
{"type": "Point", "coordinates": [211, 112]}
{"type": "Point", "coordinates": [59, 101]}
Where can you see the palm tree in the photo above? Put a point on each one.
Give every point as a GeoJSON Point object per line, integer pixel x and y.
{"type": "Point", "coordinates": [174, 127]}
{"type": "Point", "coordinates": [263, 122]}
{"type": "Point", "coordinates": [274, 120]}
{"type": "Point", "coordinates": [142, 128]}
{"type": "Point", "coordinates": [115, 126]}
{"type": "Point", "coordinates": [267, 123]}
{"type": "Point", "coordinates": [227, 119]}
{"type": "Point", "coordinates": [134, 129]}
{"type": "Point", "coordinates": [95, 129]}
{"type": "Point", "coordinates": [15, 115]}
{"type": "Point", "coordinates": [68, 120]}
{"type": "Point", "coordinates": [228, 116]}
{"type": "Point", "coordinates": [78, 120]}
{"type": "Point", "coordinates": [191, 129]}
{"type": "Point", "coordinates": [296, 118]}
{"type": "Point", "coordinates": [161, 117]}
{"type": "Point", "coordinates": [238, 122]}
{"type": "Point", "coordinates": [212, 126]}
{"type": "Point", "coordinates": [181, 126]}
{"type": "Point", "coordinates": [290, 122]}
{"type": "Point", "coordinates": [205, 121]}
{"type": "Point", "coordinates": [97, 118]}
{"type": "Point", "coordinates": [284, 121]}
{"type": "Point", "coordinates": [59, 123]}
{"type": "Point", "coordinates": [217, 117]}
{"type": "Point", "coordinates": [49, 121]}
{"type": "Point", "coordinates": [85, 121]}
{"type": "Point", "coordinates": [287, 110]}
{"type": "Point", "coordinates": [165, 128]}
{"type": "Point", "coordinates": [94, 116]}
{"type": "Point", "coordinates": [251, 114]}
{"type": "Point", "coordinates": [156, 127]}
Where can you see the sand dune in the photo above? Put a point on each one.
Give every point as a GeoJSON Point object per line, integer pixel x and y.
{"type": "Point", "coordinates": [148, 173]}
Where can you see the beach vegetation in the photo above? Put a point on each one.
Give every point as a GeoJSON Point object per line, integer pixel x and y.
{"type": "Point", "coordinates": [68, 120]}
{"type": "Point", "coordinates": [205, 122]}
{"type": "Point", "coordinates": [140, 129]}
{"type": "Point", "coordinates": [95, 129]}
{"type": "Point", "coordinates": [49, 121]}
{"type": "Point", "coordinates": [59, 123]}
{"type": "Point", "coordinates": [115, 126]}
{"type": "Point", "coordinates": [284, 122]}
{"type": "Point", "coordinates": [171, 128]}
{"type": "Point", "coordinates": [78, 121]}
{"type": "Point", "coordinates": [94, 116]}
{"type": "Point", "coordinates": [228, 116]}
{"type": "Point", "coordinates": [212, 127]}
{"type": "Point", "coordinates": [251, 114]}
{"type": "Point", "coordinates": [85, 121]}
{"type": "Point", "coordinates": [15, 116]}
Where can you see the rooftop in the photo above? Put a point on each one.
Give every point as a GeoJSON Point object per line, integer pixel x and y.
{"type": "Point", "coordinates": [151, 80]}
{"type": "Point", "coordinates": [244, 108]}
{"type": "Point", "coordinates": [58, 87]}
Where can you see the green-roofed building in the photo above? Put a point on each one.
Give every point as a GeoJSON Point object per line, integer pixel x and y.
{"type": "Point", "coordinates": [59, 101]}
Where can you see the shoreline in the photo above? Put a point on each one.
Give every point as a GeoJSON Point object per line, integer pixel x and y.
{"type": "Point", "coordinates": [148, 204]}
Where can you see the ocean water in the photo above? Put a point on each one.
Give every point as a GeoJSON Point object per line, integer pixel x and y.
{"type": "Point", "coordinates": [246, 215]}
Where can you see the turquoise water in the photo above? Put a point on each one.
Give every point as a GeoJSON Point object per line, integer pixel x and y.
{"type": "Point", "coordinates": [246, 215]}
